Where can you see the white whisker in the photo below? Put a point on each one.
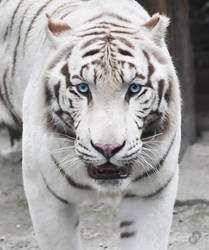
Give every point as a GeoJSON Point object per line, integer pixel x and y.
{"type": "Point", "coordinates": [150, 137]}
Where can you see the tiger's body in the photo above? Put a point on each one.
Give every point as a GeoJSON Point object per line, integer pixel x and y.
{"type": "Point", "coordinates": [94, 86]}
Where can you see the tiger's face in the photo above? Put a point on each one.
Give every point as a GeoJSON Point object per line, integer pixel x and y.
{"type": "Point", "coordinates": [112, 93]}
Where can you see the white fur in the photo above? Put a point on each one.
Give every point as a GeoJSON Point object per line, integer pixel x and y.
{"type": "Point", "coordinates": [109, 121]}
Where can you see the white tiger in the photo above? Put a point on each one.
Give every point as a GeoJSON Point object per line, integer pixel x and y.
{"type": "Point", "coordinates": [94, 86]}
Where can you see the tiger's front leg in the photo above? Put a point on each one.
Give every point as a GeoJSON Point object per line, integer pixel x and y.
{"type": "Point", "coordinates": [55, 220]}
{"type": "Point", "coordinates": [145, 222]}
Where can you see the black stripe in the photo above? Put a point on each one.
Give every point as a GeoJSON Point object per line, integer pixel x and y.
{"type": "Point", "coordinates": [139, 127]}
{"type": "Point", "coordinates": [40, 10]}
{"type": "Point", "coordinates": [66, 14]}
{"type": "Point", "coordinates": [118, 17]}
{"type": "Point", "coordinates": [9, 105]}
{"type": "Point", "coordinates": [48, 94]}
{"type": "Point", "coordinates": [95, 76]}
{"type": "Point", "coordinates": [114, 24]}
{"type": "Point", "coordinates": [133, 146]}
{"type": "Point", "coordinates": [123, 32]}
{"type": "Point", "coordinates": [125, 41]}
{"type": "Point", "coordinates": [158, 165]}
{"type": "Point", "coordinates": [77, 77]}
{"type": "Point", "coordinates": [140, 76]}
{"type": "Point", "coordinates": [84, 147]}
{"type": "Point", "coordinates": [143, 92]}
{"type": "Point", "coordinates": [96, 17]}
{"type": "Point", "coordinates": [74, 93]}
{"type": "Point", "coordinates": [96, 27]}
{"type": "Point", "coordinates": [95, 33]}
{"type": "Point", "coordinates": [89, 42]}
{"type": "Point", "coordinates": [63, 6]}
{"type": "Point", "coordinates": [126, 223]}
{"type": "Point", "coordinates": [77, 124]}
{"type": "Point", "coordinates": [127, 235]}
{"type": "Point", "coordinates": [82, 69]}
{"type": "Point", "coordinates": [151, 70]}
{"type": "Point", "coordinates": [2, 98]}
{"type": "Point", "coordinates": [87, 155]}
{"type": "Point", "coordinates": [12, 19]}
{"type": "Point", "coordinates": [6, 33]}
{"type": "Point", "coordinates": [53, 193]}
{"type": "Point", "coordinates": [168, 93]}
{"type": "Point", "coordinates": [145, 102]}
{"type": "Point", "coordinates": [5, 86]}
{"type": "Point", "coordinates": [159, 190]}
{"type": "Point", "coordinates": [161, 85]}
{"type": "Point", "coordinates": [66, 73]}
{"type": "Point", "coordinates": [127, 196]}
{"type": "Point", "coordinates": [91, 53]}
{"type": "Point", "coordinates": [57, 92]}
{"type": "Point", "coordinates": [140, 117]}
{"type": "Point", "coordinates": [125, 52]}
{"type": "Point", "coordinates": [17, 44]}
{"type": "Point", "coordinates": [68, 178]}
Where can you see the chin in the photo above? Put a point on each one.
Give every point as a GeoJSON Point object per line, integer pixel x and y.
{"type": "Point", "coordinates": [111, 187]}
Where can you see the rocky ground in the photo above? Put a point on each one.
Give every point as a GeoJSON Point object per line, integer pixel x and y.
{"type": "Point", "coordinates": [190, 230]}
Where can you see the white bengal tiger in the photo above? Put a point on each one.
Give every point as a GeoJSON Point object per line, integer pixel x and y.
{"type": "Point", "coordinates": [94, 86]}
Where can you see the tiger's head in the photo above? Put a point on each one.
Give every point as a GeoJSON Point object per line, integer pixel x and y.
{"type": "Point", "coordinates": [108, 89]}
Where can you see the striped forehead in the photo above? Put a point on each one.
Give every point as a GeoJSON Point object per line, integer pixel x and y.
{"type": "Point", "coordinates": [107, 35]}
{"type": "Point", "coordinates": [106, 49]}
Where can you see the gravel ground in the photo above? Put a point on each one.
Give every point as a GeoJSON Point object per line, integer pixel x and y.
{"type": "Point", "coordinates": [190, 230]}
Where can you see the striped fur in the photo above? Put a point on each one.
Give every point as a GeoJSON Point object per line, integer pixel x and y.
{"type": "Point", "coordinates": [48, 48]}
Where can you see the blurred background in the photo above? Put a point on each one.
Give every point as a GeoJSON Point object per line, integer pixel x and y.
{"type": "Point", "coordinates": [188, 41]}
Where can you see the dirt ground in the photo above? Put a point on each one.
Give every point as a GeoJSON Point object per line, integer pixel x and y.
{"type": "Point", "coordinates": [190, 229]}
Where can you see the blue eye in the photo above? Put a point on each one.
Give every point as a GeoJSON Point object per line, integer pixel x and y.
{"type": "Point", "coordinates": [83, 88]}
{"type": "Point", "coordinates": [134, 88]}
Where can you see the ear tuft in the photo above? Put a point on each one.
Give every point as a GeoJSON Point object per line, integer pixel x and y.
{"type": "Point", "coordinates": [153, 22]}
{"type": "Point", "coordinates": [57, 27]}
{"type": "Point", "coordinates": [157, 25]}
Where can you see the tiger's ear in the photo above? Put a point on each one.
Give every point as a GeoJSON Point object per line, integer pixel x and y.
{"type": "Point", "coordinates": [56, 29]}
{"type": "Point", "coordinates": [157, 25]}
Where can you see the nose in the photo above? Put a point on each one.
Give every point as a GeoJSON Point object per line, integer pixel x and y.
{"type": "Point", "coordinates": [108, 150]}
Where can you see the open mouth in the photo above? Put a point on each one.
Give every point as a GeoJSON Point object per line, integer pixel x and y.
{"type": "Point", "coordinates": [108, 171]}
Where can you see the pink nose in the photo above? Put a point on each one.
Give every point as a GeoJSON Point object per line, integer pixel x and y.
{"type": "Point", "coordinates": [108, 150]}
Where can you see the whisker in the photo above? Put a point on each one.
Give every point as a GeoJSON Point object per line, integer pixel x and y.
{"type": "Point", "coordinates": [153, 136]}
{"type": "Point", "coordinates": [66, 138]}
{"type": "Point", "coordinates": [64, 148]}
{"type": "Point", "coordinates": [156, 170]}
{"type": "Point", "coordinates": [146, 171]}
